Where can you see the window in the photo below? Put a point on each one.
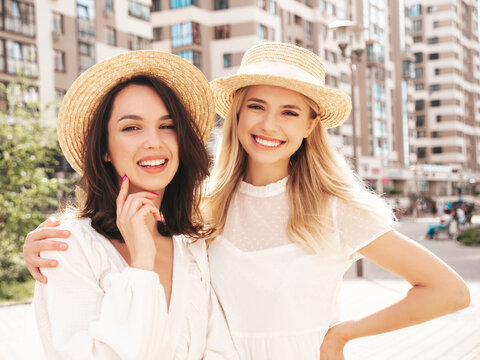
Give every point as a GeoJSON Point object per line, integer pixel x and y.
{"type": "Point", "coordinates": [417, 39]}
{"type": "Point", "coordinates": [59, 60]}
{"type": "Point", "coordinates": [57, 22]}
{"type": "Point", "coordinates": [192, 56]}
{"type": "Point", "coordinates": [137, 43]}
{"type": "Point", "coordinates": [272, 8]}
{"type": "Point", "coordinates": [83, 12]}
{"type": "Point", "coordinates": [436, 134]}
{"type": "Point", "coordinates": [415, 10]}
{"type": "Point", "coordinates": [262, 31]}
{"type": "Point", "coordinates": [156, 5]}
{"type": "Point", "coordinates": [109, 5]}
{"type": "Point", "coordinates": [84, 48]}
{"type": "Point", "coordinates": [221, 32]}
{"type": "Point", "coordinates": [435, 103]}
{"type": "Point", "coordinates": [433, 56]}
{"type": "Point", "coordinates": [417, 25]}
{"type": "Point", "coordinates": [421, 134]}
{"type": "Point", "coordinates": [21, 58]}
{"type": "Point", "coordinates": [220, 4]}
{"type": "Point", "coordinates": [439, 118]}
{"type": "Point", "coordinates": [419, 86]}
{"type": "Point", "coordinates": [418, 57]}
{"type": "Point", "coordinates": [431, 9]}
{"type": "Point", "coordinates": [186, 33]}
{"type": "Point", "coordinates": [419, 73]}
{"type": "Point", "coordinates": [110, 36]}
{"type": "Point", "coordinates": [437, 71]}
{"type": "Point", "coordinates": [437, 150]}
{"type": "Point", "coordinates": [420, 121]}
{"type": "Point", "coordinates": [19, 17]}
{"type": "Point", "coordinates": [227, 60]}
{"type": "Point", "coordinates": [139, 11]}
{"type": "Point", "coordinates": [433, 40]}
{"type": "Point", "coordinates": [174, 4]}
{"type": "Point", "coordinates": [419, 105]}
{"type": "Point", "coordinates": [435, 24]}
{"type": "Point", "coordinates": [434, 87]}
{"type": "Point", "coordinates": [421, 152]}
{"type": "Point", "coordinates": [262, 4]}
{"type": "Point", "coordinates": [158, 33]}
{"type": "Point", "coordinates": [308, 30]}
{"type": "Point", "coordinates": [330, 9]}
{"type": "Point", "coordinates": [297, 19]}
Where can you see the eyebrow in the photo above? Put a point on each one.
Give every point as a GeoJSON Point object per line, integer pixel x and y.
{"type": "Point", "coordinates": [136, 117]}
{"type": "Point", "coordinates": [284, 106]}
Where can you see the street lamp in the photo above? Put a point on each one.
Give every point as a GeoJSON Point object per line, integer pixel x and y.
{"type": "Point", "coordinates": [351, 34]}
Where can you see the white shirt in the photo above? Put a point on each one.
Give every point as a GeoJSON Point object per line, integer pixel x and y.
{"type": "Point", "coordinates": [95, 306]}
{"type": "Point", "coordinates": [278, 297]}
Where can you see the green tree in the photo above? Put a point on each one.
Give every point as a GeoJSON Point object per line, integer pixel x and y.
{"type": "Point", "coordinates": [28, 187]}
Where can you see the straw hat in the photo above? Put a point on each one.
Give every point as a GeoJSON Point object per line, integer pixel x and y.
{"type": "Point", "coordinates": [87, 91]}
{"type": "Point", "coordinates": [288, 66]}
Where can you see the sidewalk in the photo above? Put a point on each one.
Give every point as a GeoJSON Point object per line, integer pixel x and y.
{"type": "Point", "coordinates": [452, 337]}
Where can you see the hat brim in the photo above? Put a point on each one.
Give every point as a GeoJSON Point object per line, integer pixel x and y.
{"type": "Point", "coordinates": [334, 105]}
{"type": "Point", "coordinates": [88, 90]}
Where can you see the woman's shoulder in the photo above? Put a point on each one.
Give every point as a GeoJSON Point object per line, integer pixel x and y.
{"type": "Point", "coordinates": [83, 237]}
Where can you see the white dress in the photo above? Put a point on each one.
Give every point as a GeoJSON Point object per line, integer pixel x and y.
{"type": "Point", "coordinates": [95, 306]}
{"type": "Point", "coordinates": [279, 298]}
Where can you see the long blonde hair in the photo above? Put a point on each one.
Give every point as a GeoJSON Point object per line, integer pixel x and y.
{"type": "Point", "coordinates": [317, 172]}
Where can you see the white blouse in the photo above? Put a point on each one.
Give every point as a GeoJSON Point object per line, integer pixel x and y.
{"type": "Point", "coordinates": [95, 306]}
{"type": "Point", "coordinates": [278, 297]}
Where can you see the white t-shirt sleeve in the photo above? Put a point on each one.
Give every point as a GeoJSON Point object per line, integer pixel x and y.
{"type": "Point", "coordinates": [87, 312]}
{"type": "Point", "coordinates": [357, 228]}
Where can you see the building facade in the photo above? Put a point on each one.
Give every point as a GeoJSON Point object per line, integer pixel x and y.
{"type": "Point", "coordinates": [415, 83]}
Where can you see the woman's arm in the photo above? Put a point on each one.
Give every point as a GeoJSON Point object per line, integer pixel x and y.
{"type": "Point", "coordinates": [436, 290]}
{"type": "Point", "coordinates": [88, 311]}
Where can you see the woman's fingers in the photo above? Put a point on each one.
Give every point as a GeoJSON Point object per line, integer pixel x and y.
{"type": "Point", "coordinates": [37, 275]}
{"type": "Point", "coordinates": [135, 201]}
{"type": "Point", "coordinates": [122, 195]}
{"type": "Point", "coordinates": [50, 222]}
{"type": "Point", "coordinates": [45, 233]}
{"type": "Point", "coordinates": [44, 245]}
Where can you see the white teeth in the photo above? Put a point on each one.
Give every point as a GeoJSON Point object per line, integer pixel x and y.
{"type": "Point", "coordinates": [152, 162]}
{"type": "Point", "coordinates": [268, 143]}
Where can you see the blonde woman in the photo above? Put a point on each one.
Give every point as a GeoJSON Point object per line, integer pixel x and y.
{"type": "Point", "coordinates": [290, 217]}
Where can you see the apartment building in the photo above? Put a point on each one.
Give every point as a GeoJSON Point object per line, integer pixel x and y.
{"type": "Point", "coordinates": [53, 41]}
{"type": "Point", "coordinates": [447, 78]}
{"type": "Point", "coordinates": [415, 84]}
{"type": "Point", "coordinates": [18, 46]}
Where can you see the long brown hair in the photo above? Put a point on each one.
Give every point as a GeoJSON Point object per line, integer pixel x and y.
{"type": "Point", "coordinates": [99, 186]}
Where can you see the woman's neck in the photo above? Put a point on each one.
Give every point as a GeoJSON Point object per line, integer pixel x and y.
{"type": "Point", "coordinates": [264, 174]}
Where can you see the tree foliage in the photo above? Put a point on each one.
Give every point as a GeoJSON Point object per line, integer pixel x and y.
{"type": "Point", "coordinates": [28, 187]}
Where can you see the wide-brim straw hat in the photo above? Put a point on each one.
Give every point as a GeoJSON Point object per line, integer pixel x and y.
{"type": "Point", "coordinates": [288, 66]}
{"type": "Point", "coordinates": [87, 91]}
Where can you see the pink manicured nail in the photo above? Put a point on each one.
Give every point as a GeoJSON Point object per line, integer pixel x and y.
{"type": "Point", "coordinates": [124, 178]}
{"type": "Point", "coordinates": [155, 193]}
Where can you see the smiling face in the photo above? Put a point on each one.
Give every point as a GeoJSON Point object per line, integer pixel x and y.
{"type": "Point", "coordinates": [272, 123]}
{"type": "Point", "coordinates": [142, 139]}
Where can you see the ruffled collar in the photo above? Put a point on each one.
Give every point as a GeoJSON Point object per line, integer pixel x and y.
{"type": "Point", "coordinates": [264, 191]}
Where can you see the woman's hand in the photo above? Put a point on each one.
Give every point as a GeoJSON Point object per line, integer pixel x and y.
{"type": "Point", "coordinates": [136, 218]}
{"type": "Point", "coordinates": [35, 242]}
{"type": "Point", "coordinates": [333, 343]}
